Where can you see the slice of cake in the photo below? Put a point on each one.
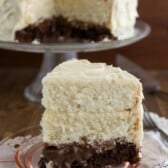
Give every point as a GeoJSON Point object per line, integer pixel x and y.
{"type": "Point", "coordinates": [93, 116]}
{"type": "Point", "coordinates": [51, 20]}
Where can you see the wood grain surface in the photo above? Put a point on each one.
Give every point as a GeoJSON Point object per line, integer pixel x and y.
{"type": "Point", "coordinates": [151, 52]}
{"type": "Point", "coordinates": [16, 112]}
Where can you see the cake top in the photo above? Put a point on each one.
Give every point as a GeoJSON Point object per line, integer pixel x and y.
{"type": "Point", "coordinates": [83, 70]}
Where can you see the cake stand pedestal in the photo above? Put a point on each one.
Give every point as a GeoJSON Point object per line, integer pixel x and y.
{"type": "Point", "coordinates": [55, 53]}
{"type": "Point", "coordinates": [50, 60]}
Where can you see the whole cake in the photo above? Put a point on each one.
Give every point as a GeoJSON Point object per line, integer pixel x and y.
{"type": "Point", "coordinates": [93, 116]}
{"type": "Point", "coordinates": [50, 20]}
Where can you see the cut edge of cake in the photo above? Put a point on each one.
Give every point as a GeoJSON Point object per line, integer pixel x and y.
{"type": "Point", "coordinates": [100, 134]}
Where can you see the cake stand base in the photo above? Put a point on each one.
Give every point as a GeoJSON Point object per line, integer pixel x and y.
{"type": "Point", "coordinates": [50, 60]}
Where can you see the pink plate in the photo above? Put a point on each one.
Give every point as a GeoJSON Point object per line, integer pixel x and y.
{"type": "Point", "coordinates": [32, 156]}
{"type": "Point", "coordinates": [24, 149]}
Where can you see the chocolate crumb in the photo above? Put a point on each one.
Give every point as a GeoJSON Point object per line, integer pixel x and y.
{"type": "Point", "coordinates": [90, 156]}
{"type": "Point", "coordinates": [56, 28]}
{"type": "Point", "coordinates": [17, 146]}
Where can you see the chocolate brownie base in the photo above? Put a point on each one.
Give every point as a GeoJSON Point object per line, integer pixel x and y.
{"type": "Point", "coordinates": [52, 30]}
{"type": "Point", "coordinates": [89, 156]}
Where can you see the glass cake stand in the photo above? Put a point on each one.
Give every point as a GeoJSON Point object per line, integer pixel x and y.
{"type": "Point", "coordinates": [55, 53]}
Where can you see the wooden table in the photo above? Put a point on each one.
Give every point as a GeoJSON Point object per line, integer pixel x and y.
{"type": "Point", "coordinates": [16, 112]}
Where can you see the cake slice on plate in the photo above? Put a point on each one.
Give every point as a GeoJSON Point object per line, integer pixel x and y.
{"type": "Point", "coordinates": [93, 116]}
{"type": "Point", "coordinates": [51, 20]}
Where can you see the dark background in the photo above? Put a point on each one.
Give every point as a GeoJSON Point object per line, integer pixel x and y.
{"type": "Point", "coordinates": [151, 53]}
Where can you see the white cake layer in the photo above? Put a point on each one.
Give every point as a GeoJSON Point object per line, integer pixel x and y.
{"type": "Point", "coordinates": [91, 99]}
{"type": "Point", "coordinates": [80, 86]}
{"type": "Point", "coordinates": [64, 127]}
{"type": "Point", "coordinates": [117, 15]}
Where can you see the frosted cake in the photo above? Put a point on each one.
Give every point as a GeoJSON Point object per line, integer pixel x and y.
{"type": "Point", "coordinates": [50, 20]}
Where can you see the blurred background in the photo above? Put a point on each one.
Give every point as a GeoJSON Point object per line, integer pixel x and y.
{"type": "Point", "coordinates": [151, 53]}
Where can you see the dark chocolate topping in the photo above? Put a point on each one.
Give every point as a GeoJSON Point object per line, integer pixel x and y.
{"type": "Point", "coordinates": [90, 156]}
{"type": "Point", "coordinates": [51, 30]}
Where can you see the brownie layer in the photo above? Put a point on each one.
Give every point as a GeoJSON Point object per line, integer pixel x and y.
{"type": "Point", "coordinates": [56, 28]}
{"type": "Point", "coordinates": [89, 156]}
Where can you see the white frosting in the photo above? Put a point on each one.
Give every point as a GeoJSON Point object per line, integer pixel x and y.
{"type": "Point", "coordinates": [9, 16]}
{"type": "Point", "coordinates": [33, 11]}
{"type": "Point", "coordinates": [124, 18]}
{"type": "Point", "coordinates": [117, 15]}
